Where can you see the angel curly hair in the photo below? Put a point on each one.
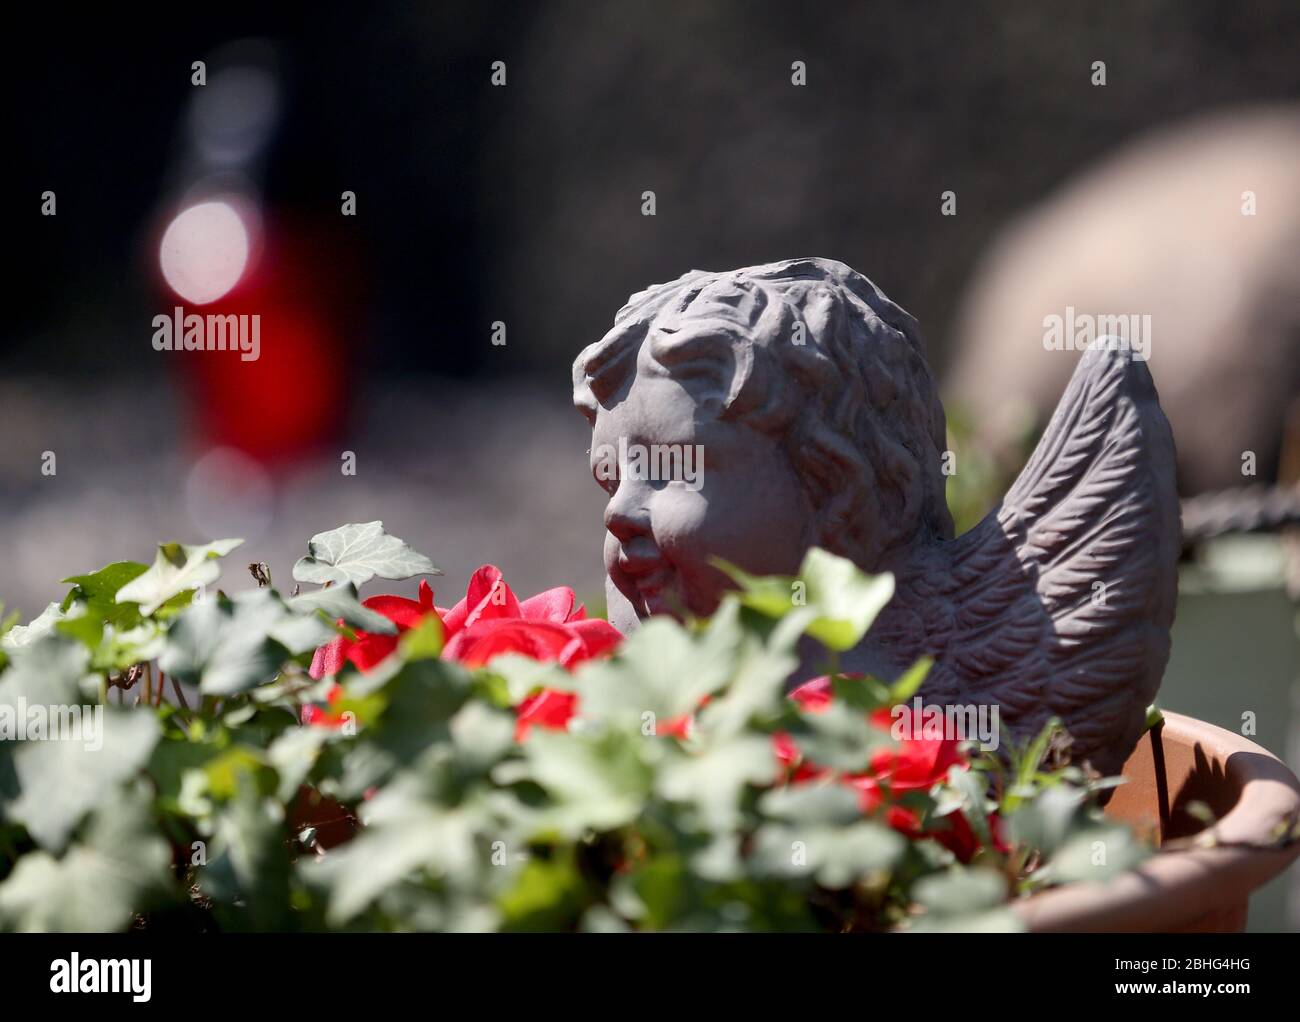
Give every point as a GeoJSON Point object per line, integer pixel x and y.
{"type": "Point", "coordinates": [813, 352]}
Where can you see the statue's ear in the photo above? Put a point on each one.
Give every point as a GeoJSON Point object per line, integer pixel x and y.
{"type": "Point", "coordinates": [854, 518]}
{"type": "Point", "coordinates": [842, 510]}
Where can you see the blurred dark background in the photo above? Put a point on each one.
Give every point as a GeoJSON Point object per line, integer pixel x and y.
{"type": "Point", "coordinates": [519, 204]}
{"type": "Point", "coordinates": [523, 203]}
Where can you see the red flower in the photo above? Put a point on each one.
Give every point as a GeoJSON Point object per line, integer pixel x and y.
{"type": "Point", "coordinates": [487, 623]}
{"type": "Point", "coordinates": [369, 649]}
{"type": "Point", "coordinates": [955, 834]}
{"type": "Point", "coordinates": [791, 757]}
{"type": "Point", "coordinates": [679, 727]}
{"type": "Point", "coordinates": [317, 717]}
{"type": "Point", "coordinates": [491, 621]}
{"type": "Point", "coordinates": [549, 708]}
{"type": "Point", "coordinates": [915, 764]}
{"type": "Point", "coordinates": [813, 695]}
{"type": "Point", "coordinates": [550, 626]}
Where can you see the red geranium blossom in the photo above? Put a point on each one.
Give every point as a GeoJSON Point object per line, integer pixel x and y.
{"type": "Point", "coordinates": [488, 622]}
{"type": "Point", "coordinates": [491, 621]}
{"type": "Point", "coordinates": [549, 708]}
{"type": "Point", "coordinates": [553, 709]}
{"type": "Point", "coordinates": [915, 764]}
{"type": "Point", "coordinates": [369, 648]}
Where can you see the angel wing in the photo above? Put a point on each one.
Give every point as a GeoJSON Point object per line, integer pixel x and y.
{"type": "Point", "coordinates": [1060, 601]}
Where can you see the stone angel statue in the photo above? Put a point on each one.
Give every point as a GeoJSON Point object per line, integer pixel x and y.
{"type": "Point", "coordinates": [802, 396]}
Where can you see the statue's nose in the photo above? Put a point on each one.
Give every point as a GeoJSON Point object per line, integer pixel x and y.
{"type": "Point", "coordinates": [626, 516]}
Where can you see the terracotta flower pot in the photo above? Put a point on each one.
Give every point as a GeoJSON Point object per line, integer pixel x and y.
{"type": "Point", "coordinates": [1201, 879]}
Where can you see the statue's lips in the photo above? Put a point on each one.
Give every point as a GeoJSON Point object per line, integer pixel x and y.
{"type": "Point", "coordinates": [651, 585]}
{"type": "Point", "coordinates": [648, 575]}
{"type": "Point", "coordinates": [650, 578]}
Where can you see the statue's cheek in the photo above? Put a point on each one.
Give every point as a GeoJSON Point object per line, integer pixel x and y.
{"type": "Point", "coordinates": [681, 520]}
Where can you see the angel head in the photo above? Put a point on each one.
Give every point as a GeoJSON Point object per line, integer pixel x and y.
{"type": "Point", "coordinates": [751, 414]}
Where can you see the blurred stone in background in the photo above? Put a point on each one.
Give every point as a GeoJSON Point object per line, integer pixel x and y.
{"type": "Point", "coordinates": [1157, 230]}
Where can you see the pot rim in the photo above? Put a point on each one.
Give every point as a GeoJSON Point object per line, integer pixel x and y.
{"type": "Point", "coordinates": [1208, 880]}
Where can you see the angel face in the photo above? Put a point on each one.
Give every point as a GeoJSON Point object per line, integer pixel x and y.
{"type": "Point", "coordinates": [807, 392]}
{"type": "Point", "coordinates": [740, 501]}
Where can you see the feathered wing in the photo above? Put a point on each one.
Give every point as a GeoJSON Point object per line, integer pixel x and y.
{"type": "Point", "coordinates": [1060, 601]}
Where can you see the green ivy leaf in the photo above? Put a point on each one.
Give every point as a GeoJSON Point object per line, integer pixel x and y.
{"type": "Point", "coordinates": [545, 897]}
{"type": "Point", "coordinates": [404, 833]}
{"type": "Point", "coordinates": [402, 711]}
{"type": "Point", "coordinates": [831, 599]}
{"type": "Point", "coordinates": [115, 633]}
{"type": "Point", "coordinates": [845, 598]}
{"type": "Point", "coordinates": [521, 676]}
{"type": "Point", "coordinates": [482, 735]}
{"type": "Point", "coordinates": [863, 694]}
{"type": "Point", "coordinates": [973, 786]}
{"type": "Point", "coordinates": [176, 568]}
{"type": "Point", "coordinates": [248, 868]}
{"type": "Point", "coordinates": [657, 892]}
{"type": "Point", "coordinates": [424, 641]}
{"type": "Point", "coordinates": [174, 758]}
{"type": "Point", "coordinates": [48, 672]}
{"type": "Point", "coordinates": [341, 601]}
{"type": "Point", "coordinates": [996, 920]}
{"type": "Point", "coordinates": [98, 591]}
{"type": "Point", "coordinates": [227, 645]}
{"type": "Point", "coordinates": [961, 892]}
{"type": "Point", "coordinates": [293, 754]}
{"type": "Point", "coordinates": [120, 869]}
{"type": "Point", "coordinates": [1094, 854]}
{"type": "Point", "coordinates": [770, 595]}
{"type": "Point", "coordinates": [102, 585]}
{"type": "Point", "coordinates": [119, 650]}
{"type": "Point", "coordinates": [61, 781]}
{"type": "Point", "coordinates": [87, 628]}
{"type": "Point", "coordinates": [835, 856]}
{"type": "Point", "coordinates": [840, 737]}
{"type": "Point", "coordinates": [18, 636]}
{"type": "Point", "coordinates": [237, 769]}
{"type": "Point", "coordinates": [1045, 821]}
{"type": "Point", "coordinates": [661, 669]}
{"type": "Point", "coordinates": [910, 683]}
{"type": "Point", "coordinates": [827, 804]}
{"type": "Point", "coordinates": [712, 781]}
{"type": "Point", "coordinates": [356, 553]}
{"type": "Point", "coordinates": [758, 677]}
{"type": "Point", "coordinates": [7, 622]}
{"type": "Point", "coordinates": [596, 782]}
